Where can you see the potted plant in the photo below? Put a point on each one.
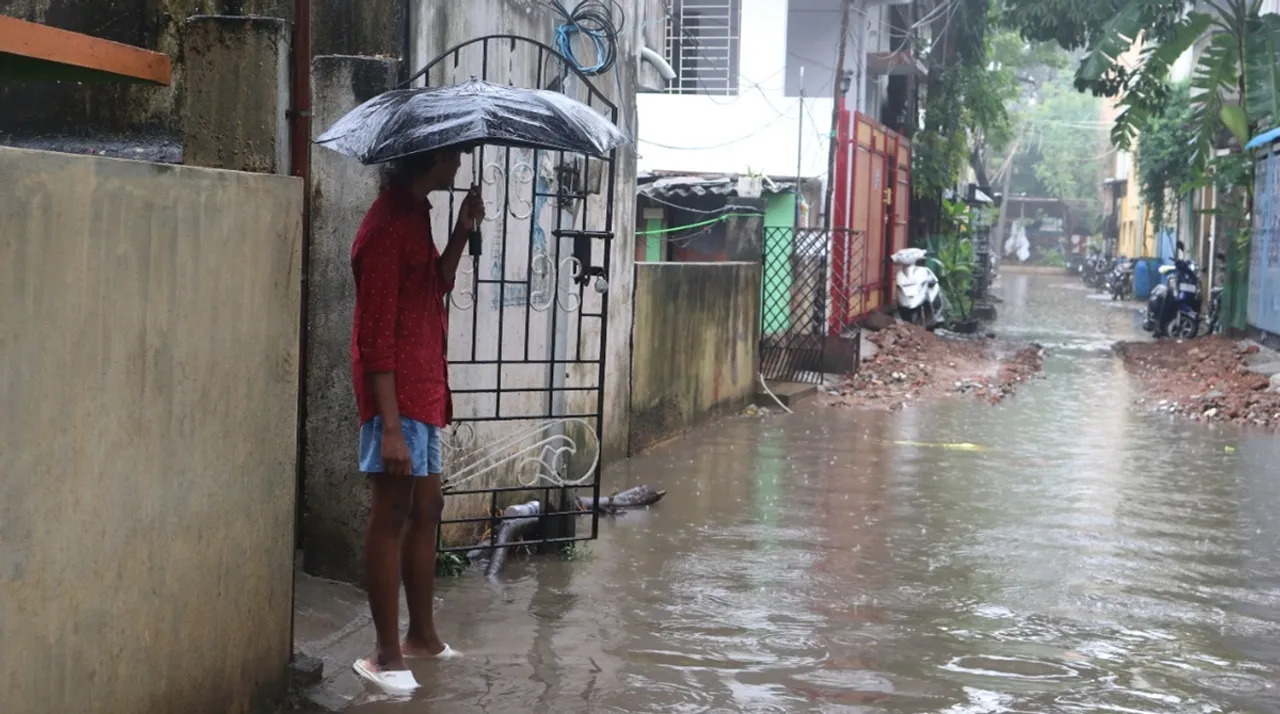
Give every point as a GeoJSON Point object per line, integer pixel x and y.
{"type": "Point", "coordinates": [952, 254]}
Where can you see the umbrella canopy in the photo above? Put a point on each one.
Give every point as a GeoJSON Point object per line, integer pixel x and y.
{"type": "Point", "coordinates": [410, 121]}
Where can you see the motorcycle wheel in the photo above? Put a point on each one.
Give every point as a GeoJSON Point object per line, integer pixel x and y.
{"type": "Point", "coordinates": [1182, 327]}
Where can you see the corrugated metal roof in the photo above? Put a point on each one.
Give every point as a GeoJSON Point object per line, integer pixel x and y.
{"type": "Point", "coordinates": [695, 185]}
{"type": "Point", "coordinates": [1264, 138]}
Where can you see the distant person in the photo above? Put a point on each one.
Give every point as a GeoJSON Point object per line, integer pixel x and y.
{"type": "Point", "coordinates": [402, 390]}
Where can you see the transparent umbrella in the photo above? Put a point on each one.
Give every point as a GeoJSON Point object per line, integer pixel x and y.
{"type": "Point", "coordinates": [410, 121]}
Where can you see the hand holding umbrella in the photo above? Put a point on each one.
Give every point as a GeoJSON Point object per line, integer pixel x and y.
{"type": "Point", "coordinates": [470, 214]}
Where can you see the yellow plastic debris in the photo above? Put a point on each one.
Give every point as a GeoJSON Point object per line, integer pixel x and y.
{"type": "Point", "coordinates": [956, 446]}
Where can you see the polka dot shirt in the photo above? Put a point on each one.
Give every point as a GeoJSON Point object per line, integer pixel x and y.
{"type": "Point", "coordinates": [401, 319]}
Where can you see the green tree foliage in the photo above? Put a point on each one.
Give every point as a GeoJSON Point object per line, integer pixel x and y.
{"type": "Point", "coordinates": [1164, 164]}
{"type": "Point", "coordinates": [952, 258]}
{"type": "Point", "coordinates": [1061, 139]}
{"type": "Point", "coordinates": [1064, 127]}
{"type": "Point", "coordinates": [966, 99]}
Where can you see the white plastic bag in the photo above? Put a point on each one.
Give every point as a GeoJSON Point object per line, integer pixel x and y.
{"type": "Point", "coordinates": [908, 256]}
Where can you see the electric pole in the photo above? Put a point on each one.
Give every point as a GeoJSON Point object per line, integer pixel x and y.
{"type": "Point", "coordinates": [837, 109]}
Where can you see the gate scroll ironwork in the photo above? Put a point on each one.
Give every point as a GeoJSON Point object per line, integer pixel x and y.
{"type": "Point", "coordinates": [529, 312]}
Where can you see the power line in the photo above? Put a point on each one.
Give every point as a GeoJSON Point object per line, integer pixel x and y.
{"type": "Point", "coordinates": [722, 209]}
{"type": "Point", "coordinates": [731, 142]}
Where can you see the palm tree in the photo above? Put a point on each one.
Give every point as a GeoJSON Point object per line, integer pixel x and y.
{"type": "Point", "coordinates": [1235, 91]}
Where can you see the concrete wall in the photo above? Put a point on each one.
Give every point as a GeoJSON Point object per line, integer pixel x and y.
{"type": "Point", "coordinates": [148, 376]}
{"type": "Point", "coordinates": [695, 351]}
{"type": "Point", "coordinates": [235, 112]}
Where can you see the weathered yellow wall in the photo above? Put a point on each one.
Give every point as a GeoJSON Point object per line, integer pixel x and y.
{"type": "Point", "coordinates": [694, 345]}
{"type": "Point", "coordinates": [148, 398]}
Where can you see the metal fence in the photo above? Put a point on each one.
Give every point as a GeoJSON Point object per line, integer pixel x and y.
{"type": "Point", "coordinates": [807, 326]}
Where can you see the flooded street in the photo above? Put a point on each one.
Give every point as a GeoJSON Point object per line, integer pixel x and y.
{"type": "Point", "coordinates": [1060, 552]}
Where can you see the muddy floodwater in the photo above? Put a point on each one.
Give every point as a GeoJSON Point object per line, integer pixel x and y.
{"type": "Point", "coordinates": [1060, 552]}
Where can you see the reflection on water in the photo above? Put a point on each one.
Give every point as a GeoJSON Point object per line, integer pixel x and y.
{"type": "Point", "coordinates": [1089, 558]}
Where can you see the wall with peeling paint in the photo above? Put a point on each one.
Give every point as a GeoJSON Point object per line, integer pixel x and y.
{"type": "Point", "coordinates": [696, 346]}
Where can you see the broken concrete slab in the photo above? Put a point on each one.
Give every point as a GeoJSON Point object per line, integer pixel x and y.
{"type": "Point", "coordinates": [1267, 368]}
{"type": "Point", "coordinates": [789, 393]}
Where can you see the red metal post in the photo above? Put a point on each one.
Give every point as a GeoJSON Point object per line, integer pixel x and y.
{"type": "Point", "coordinates": [839, 292]}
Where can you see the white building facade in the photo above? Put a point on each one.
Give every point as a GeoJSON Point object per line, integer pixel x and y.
{"type": "Point", "coordinates": [755, 84]}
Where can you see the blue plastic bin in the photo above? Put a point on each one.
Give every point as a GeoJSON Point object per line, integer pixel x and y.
{"type": "Point", "coordinates": [1146, 276]}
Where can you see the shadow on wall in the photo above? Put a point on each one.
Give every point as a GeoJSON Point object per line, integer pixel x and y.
{"type": "Point", "coordinates": [149, 375]}
{"type": "Point", "coordinates": [694, 346]}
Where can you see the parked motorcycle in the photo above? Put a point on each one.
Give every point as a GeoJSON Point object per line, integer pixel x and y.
{"type": "Point", "coordinates": [918, 293]}
{"type": "Point", "coordinates": [1215, 303]}
{"type": "Point", "coordinates": [1075, 264]}
{"type": "Point", "coordinates": [1174, 306]}
{"type": "Point", "coordinates": [1095, 270]}
{"type": "Point", "coordinates": [1215, 311]}
{"type": "Point", "coordinates": [1120, 279]}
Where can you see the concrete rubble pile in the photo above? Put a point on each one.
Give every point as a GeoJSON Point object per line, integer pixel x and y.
{"type": "Point", "coordinates": [911, 363]}
{"type": "Point", "coordinates": [1213, 379]}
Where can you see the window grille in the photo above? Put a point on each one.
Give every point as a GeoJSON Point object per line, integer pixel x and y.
{"type": "Point", "coordinates": [703, 46]}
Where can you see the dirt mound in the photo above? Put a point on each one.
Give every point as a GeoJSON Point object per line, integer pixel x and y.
{"type": "Point", "coordinates": [911, 363]}
{"type": "Point", "coordinates": [1207, 379]}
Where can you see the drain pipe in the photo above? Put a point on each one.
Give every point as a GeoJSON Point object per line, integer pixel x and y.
{"type": "Point", "coordinates": [300, 166]}
{"type": "Point", "coordinates": [655, 59]}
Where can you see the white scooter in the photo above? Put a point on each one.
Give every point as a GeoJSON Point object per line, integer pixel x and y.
{"type": "Point", "coordinates": [919, 295]}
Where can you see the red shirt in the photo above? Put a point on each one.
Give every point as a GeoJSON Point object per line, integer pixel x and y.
{"type": "Point", "coordinates": [401, 320]}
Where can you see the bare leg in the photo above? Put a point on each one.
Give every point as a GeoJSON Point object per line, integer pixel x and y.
{"type": "Point", "coordinates": [419, 567]}
{"type": "Point", "coordinates": [391, 501]}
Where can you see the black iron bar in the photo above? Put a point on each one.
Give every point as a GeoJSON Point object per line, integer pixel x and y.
{"type": "Point", "coordinates": [511, 544]}
{"type": "Point", "coordinates": [502, 275]}
{"type": "Point", "coordinates": [506, 489]}
{"type": "Point", "coordinates": [477, 362]}
{"type": "Point", "coordinates": [498, 519]}
{"type": "Point", "coordinates": [521, 390]}
{"type": "Point", "coordinates": [524, 418]}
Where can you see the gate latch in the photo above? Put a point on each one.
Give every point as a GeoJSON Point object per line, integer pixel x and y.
{"type": "Point", "coordinates": [582, 253]}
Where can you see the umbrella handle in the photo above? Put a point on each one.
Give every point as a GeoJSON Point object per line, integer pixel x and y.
{"type": "Point", "coordinates": [475, 240]}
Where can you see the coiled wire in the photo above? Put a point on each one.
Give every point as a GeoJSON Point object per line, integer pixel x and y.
{"type": "Point", "coordinates": [594, 20]}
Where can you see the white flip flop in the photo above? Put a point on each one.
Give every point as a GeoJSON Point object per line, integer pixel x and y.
{"type": "Point", "coordinates": [392, 682]}
{"type": "Point", "coordinates": [446, 653]}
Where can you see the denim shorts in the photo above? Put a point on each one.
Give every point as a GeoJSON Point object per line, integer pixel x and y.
{"type": "Point", "coordinates": [422, 439]}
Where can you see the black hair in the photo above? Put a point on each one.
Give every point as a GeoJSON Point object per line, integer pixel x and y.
{"type": "Point", "coordinates": [414, 164]}
{"type": "Point", "coordinates": [407, 167]}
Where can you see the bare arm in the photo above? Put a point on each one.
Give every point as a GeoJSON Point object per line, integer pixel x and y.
{"type": "Point", "coordinates": [377, 276]}
{"type": "Point", "coordinates": [383, 387]}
